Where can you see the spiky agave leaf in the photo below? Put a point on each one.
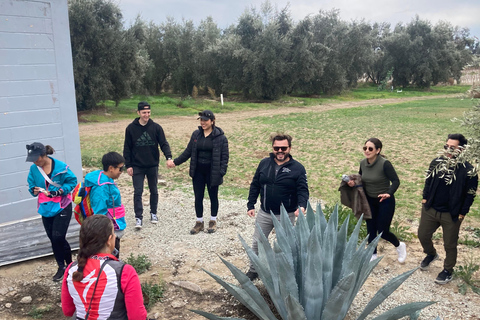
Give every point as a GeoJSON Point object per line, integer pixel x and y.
{"type": "Point", "coordinates": [303, 232]}
{"type": "Point", "coordinates": [249, 287]}
{"type": "Point", "coordinates": [384, 293]}
{"type": "Point", "coordinates": [243, 296]}
{"type": "Point", "coordinates": [313, 281]}
{"type": "Point", "coordinates": [328, 248]}
{"type": "Point", "coordinates": [310, 215]}
{"type": "Point", "coordinates": [295, 309]}
{"type": "Point", "coordinates": [339, 296]}
{"type": "Point", "coordinates": [339, 252]}
{"type": "Point", "coordinates": [267, 270]}
{"type": "Point", "coordinates": [212, 316]}
{"type": "Point", "coordinates": [403, 310]}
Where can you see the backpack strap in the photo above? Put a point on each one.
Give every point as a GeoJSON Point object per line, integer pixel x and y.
{"type": "Point", "coordinates": [47, 178]}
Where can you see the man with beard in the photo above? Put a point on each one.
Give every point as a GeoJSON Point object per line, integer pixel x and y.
{"type": "Point", "coordinates": [279, 179]}
{"type": "Point", "coordinates": [449, 191]}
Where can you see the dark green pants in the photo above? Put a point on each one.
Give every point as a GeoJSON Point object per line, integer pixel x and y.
{"type": "Point", "coordinates": [430, 220]}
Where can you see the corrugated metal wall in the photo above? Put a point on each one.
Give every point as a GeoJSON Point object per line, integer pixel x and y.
{"type": "Point", "coordinates": [37, 101]}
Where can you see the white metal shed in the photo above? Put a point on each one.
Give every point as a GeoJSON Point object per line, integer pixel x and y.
{"type": "Point", "coordinates": [37, 103]}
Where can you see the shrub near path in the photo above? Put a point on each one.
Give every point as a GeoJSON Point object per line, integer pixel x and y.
{"type": "Point", "coordinates": [328, 140]}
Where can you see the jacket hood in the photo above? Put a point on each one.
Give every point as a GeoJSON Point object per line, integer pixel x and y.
{"type": "Point", "coordinates": [217, 131]}
{"type": "Point", "coordinates": [97, 178]}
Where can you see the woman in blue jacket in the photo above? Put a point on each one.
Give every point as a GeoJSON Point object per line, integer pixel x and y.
{"type": "Point", "coordinates": [51, 181]}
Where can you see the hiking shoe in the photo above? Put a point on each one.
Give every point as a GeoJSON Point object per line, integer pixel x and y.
{"type": "Point", "coordinates": [402, 252]}
{"type": "Point", "coordinates": [427, 261]}
{"type": "Point", "coordinates": [153, 218]}
{"type": "Point", "coordinates": [138, 225]}
{"type": "Point", "coordinates": [252, 275]}
{"type": "Point", "coordinates": [59, 275]}
{"type": "Point", "coordinates": [197, 228]}
{"type": "Point", "coordinates": [444, 277]}
{"type": "Point", "coordinates": [212, 226]}
{"type": "Point", "coordinates": [373, 257]}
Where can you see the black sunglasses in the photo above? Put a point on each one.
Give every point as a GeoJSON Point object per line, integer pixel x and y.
{"type": "Point", "coordinates": [280, 148]}
{"type": "Point", "coordinates": [121, 168]}
{"type": "Point", "coordinates": [450, 148]}
{"type": "Point", "coordinates": [369, 148]}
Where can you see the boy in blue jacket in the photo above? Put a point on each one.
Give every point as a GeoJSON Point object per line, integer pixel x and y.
{"type": "Point", "coordinates": [105, 196]}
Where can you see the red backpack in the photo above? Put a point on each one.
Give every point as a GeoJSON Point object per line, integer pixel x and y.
{"type": "Point", "coordinates": [81, 197]}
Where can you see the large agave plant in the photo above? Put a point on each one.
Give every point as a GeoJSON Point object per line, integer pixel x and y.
{"type": "Point", "coordinates": [312, 272]}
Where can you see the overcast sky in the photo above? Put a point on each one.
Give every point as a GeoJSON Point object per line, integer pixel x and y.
{"type": "Point", "coordinates": [464, 13]}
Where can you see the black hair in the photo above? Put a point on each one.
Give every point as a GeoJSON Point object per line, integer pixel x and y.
{"type": "Point", "coordinates": [112, 159]}
{"type": "Point", "coordinates": [94, 234]}
{"type": "Point", "coordinates": [281, 137]}
{"type": "Point", "coordinates": [459, 137]}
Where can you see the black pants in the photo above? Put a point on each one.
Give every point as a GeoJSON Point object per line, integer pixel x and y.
{"type": "Point", "coordinates": [56, 228]}
{"type": "Point", "coordinates": [138, 179]}
{"type": "Point", "coordinates": [382, 215]}
{"type": "Point", "coordinates": [200, 179]}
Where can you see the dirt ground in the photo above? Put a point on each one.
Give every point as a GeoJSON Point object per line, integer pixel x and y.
{"type": "Point", "coordinates": [33, 278]}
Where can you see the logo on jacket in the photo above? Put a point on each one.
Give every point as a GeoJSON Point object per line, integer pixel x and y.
{"type": "Point", "coordinates": [145, 140]}
{"type": "Point", "coordinates": [286, 170]}
{"type": "Point", "coordinates": [90, 280]}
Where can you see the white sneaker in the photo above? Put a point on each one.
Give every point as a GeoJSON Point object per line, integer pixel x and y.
{"type": "Point", "coordinates": [402, 252]}
{"type": "Point", "coordinates": [374, 257]}
{"type": "Point", "coordinates": [138, 225]}
{"type": "Point", "coordinates": [153, 218]}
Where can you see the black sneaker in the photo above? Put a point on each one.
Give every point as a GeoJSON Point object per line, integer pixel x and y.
{"type": "Point", "coordinates": [444, 277]}
{"type": "Point", "coordinates": [252, 275]}
{"type": "Point", "coordinates": [427, 261]}
{"type": "Point", "coordinates": [59, 275]}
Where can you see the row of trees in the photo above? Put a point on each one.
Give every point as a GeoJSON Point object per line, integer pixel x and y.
{"type": "Point", "coordinates": [264, 55]}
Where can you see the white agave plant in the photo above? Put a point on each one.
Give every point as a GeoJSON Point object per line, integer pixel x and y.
{"type": "Point", "coordinates": [313, 272]}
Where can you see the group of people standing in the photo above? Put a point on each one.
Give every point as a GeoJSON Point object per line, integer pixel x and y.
{"type": "Point", "coordinates": [279, 179]}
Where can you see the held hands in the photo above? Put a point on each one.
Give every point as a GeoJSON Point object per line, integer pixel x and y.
{"type": "Point", "coordinates": [383, 196]}
{"type": "Point", "coordinates": [296, 211]}
{"type": "Point", "coordinates": [170, 164]}
{"type": "Point", "coordinates": [251, 213]}
{"type": "Point", "coordinates": [351, 183]}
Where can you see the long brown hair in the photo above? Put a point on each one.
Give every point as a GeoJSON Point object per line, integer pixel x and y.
{"type": "Point", "coordinates": [94, 234]}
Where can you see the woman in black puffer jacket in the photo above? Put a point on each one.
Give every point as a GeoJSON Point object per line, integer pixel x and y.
{"type": "Point", "coordinates": [208, 153]}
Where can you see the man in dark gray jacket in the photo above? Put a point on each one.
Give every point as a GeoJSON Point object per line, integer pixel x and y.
{"type": "Point", "coordinates": [279, 179]}
{"type": "Point", "coordinates": [449, 191]}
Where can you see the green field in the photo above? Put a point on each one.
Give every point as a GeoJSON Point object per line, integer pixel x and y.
{"type": "Point", "coordinates": [328, 143]}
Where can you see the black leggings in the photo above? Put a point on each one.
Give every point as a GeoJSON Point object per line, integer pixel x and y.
{"type": "Point", "coordinates": [56, 228]}
{"type": "Point", "coordinates": [382, 215]}
{"type": "Point", "coordinates": [201, 178]}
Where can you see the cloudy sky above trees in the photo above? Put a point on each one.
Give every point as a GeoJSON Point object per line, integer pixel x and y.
{"type": "Point", "coordinates": [463, 13]}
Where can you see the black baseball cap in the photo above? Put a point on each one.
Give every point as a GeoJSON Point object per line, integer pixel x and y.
{"type": "Point", "coordinates": [206, 115]}
{"type": "Point", "coordinates": [35, 150]}
{"type": "Point", "coordinates": [143, 106]}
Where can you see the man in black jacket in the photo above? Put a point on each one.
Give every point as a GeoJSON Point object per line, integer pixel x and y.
{"type": "Point", "coordinates": [279, 179]}
{"type": "Point", "coordinates": [140, 150]}
{"type": "Point", "coordinates": [449, 191]}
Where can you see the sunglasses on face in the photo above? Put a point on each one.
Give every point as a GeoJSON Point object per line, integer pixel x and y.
{"type": "Point", "coordinates": [369, 148]}
{"type": "Point", "coordinates": [449, 148]}
{"type": "Point", "coordinates": [280, 148]}
{"type": "Point", "coordinates": [121, 168]}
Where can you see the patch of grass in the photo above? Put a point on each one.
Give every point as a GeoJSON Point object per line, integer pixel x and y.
{"type": "Point", "coordinates": [343, 213]}
{"type": "Point", "coordinates": [140, 263]}
{"type": "Point", "coordinates": [401, 231]}
{"type": "Point", "coordinates": [39, 312]}
{"type": "Point", "coordinates": [152, 293]}
{"type": "Point", "coordinates": [437, 236]}
{"type": "Point", "coordinates": [472, 243]}
{"type": "Point", "coordinates": [466, 273]}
